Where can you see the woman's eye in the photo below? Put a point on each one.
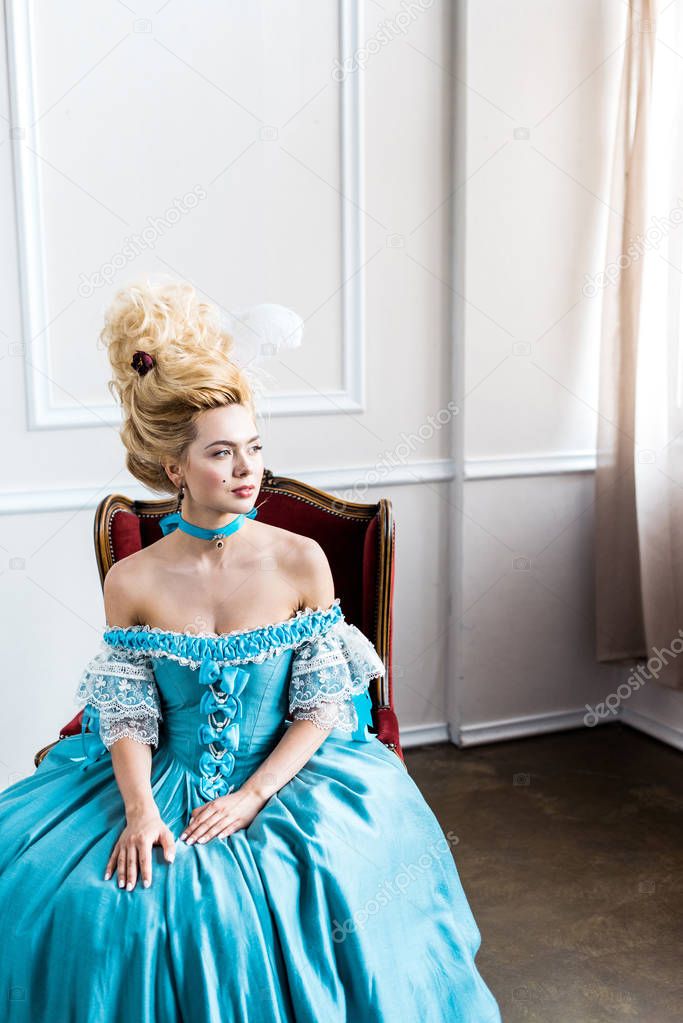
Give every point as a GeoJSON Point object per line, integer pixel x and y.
{"type": "Point", "coordinates": [223, 451]}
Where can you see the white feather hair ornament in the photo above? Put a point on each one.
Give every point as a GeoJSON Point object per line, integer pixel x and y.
{"type": "Point", "coordinates": [261, 332]}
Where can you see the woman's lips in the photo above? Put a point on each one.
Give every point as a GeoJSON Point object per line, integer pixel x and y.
{"type": "Point", "coordinates": [244, 491]}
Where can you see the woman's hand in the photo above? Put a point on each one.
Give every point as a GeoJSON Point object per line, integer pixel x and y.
{"type": "Point", "coordinates": [222, 816]}
{"type": "Point", "coordinates": [144, 828]}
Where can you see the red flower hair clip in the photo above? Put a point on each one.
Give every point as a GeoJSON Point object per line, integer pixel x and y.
{"type": "Point", "coordinates": [142, 362]}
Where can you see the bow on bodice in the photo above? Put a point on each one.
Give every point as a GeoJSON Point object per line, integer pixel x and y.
{"type": "Point", "coordinates": [220, 733]}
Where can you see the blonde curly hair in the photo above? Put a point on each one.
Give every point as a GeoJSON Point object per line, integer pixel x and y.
{"type": "Point", "coordinates": [191, 372]}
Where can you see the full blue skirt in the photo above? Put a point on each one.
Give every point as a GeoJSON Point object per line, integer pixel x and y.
{"type": "Point", "coordinates": [339, 902]}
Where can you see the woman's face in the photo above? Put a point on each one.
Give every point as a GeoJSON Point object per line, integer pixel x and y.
{"type": "Point", "coordinates": [225, 455]}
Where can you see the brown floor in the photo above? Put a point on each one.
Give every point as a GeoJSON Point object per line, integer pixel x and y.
{"type": "Point", "coordinates": [571, 855]}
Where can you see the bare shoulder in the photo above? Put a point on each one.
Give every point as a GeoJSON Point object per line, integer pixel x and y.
{"type": "Point", "coordinates": [307, 568]}
{"type": "Point", "coordinates": [281, 542]}
{"type": "Point", "coordinates": [122, 586]}
{"type": "Point", "coordinates": [312, 573]}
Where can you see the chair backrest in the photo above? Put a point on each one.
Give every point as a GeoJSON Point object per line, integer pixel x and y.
{"type": "Point", "coordinates": [358, 540]}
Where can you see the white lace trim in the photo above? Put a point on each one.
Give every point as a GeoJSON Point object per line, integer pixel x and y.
{"type": "Point", "coordinates": [328, 671]}
{"type": "Point", "coordinates": [330, 715]}
{"type": "Point", "coordinates": [122, 687]}
{"type": "Point", "coordinates": [145, 730]}
{"type": "Point", "coordinates": [257, 658]}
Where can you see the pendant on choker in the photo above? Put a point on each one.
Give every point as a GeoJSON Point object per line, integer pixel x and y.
{"type": "Point", "coordinates": [175, 521]}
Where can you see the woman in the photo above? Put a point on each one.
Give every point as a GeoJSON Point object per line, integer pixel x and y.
{"type": "Point", "coordinates": [275, 870]}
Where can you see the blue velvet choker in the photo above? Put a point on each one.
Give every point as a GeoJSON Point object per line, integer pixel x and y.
{"type": "Point", "coordinates": [176, 521]}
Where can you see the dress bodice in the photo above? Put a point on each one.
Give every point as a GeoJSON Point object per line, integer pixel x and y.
{"type": "Point", "coordinates": [219, 700]}
{"type": "Point", "coordinates": [237, 708]}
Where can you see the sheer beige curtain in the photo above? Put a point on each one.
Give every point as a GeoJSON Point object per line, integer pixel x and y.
{"type": "Point", "coordinates": [639, 477]}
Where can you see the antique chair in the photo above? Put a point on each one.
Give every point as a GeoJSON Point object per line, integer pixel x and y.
{"type": "Point", "coordinates": [358, 540]}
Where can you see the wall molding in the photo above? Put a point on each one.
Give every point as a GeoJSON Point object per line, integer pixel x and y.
{"type": "Point", "coordinates": [495, 731]}
{"type": "Point", "coordinates": [535, 724]}
{"type": "Point", "coordinates": [653, 727]}
{"type": "Point", "coordinates": [508, 466]}
{"type": "Point", "coordinates": [424, 735]}
{"type": "Point", "coordinates": [42, 410]}
{"type": "Point", "coordinates": [437, 470]}
{"type": "Point", "coordinates": [518, 727]}
{"type": "Point", "coordinates": [61, 499]}
{"type": "Point", "coordinates": [559, 721]}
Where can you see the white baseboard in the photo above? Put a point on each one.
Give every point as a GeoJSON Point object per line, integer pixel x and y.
{"type": "Point", "coordinates": [652, 726]}
{"type": "Point", "coordinates": [518, 727]}
{"type": "Point", "coordinates": [533, 724]}
{"type": "Point", "coordinates": [493, 731]}
{"type": "Point", "coordinates": [423, 735]}
{"type": "Point", "coordinates": [490, 731]}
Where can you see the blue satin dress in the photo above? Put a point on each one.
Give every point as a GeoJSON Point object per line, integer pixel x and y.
{"type": "Point", "coordinates": [339, 902]}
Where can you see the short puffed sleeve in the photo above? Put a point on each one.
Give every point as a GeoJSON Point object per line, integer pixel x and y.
{"type": "Point", "coordinates": [330, 677]}
{"type": "Point", "coordinates": [120, 684]}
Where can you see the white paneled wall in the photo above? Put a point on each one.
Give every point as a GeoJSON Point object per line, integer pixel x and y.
{"type": "Point", "coordinates": [325, 195]}
{"type": "Point", "coordinates": [535, 108]}
{"type": "Point", "coordinates": [431, 211]}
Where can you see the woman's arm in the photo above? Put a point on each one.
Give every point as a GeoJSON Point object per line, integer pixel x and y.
{"type": "Point", "coordinates": [298, 744]}
{"type": "Point", "coordinates": [131, 760]}
{"type": "Point", "coordinates": [132, 765]}
{"type": "Point", "coordinates": [294, 749]}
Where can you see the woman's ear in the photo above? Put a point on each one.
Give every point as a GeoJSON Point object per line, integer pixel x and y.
{"type": "Point", "coordinates": [174, 473]}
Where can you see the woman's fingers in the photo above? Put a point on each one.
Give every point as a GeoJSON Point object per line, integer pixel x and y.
{"type": "Point", "coordinates": [218, 828]}
{"type": "Point", "coordinates": [132, 867]}
{"type": "Point", "coordinates": [229, 829]}
{"type": "Point", "coordinates": [167, 842]}
{"type": "Point", "coordinates": [200, 822]}
{"type": "Point", "coordinates": [197, 816]}
{"type": "Point", "coordinates": [145, 857]}
{"type": "Point", "coordinates": [121, 866]}
{"type": "Point", "coordinates": [199, 832]}
{"type": "Point", "coordinates": [132, 854]}
{"type": "Point", "coordinates": [111, 862]}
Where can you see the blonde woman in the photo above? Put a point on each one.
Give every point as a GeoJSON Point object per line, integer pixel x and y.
{"type": "Point", "coordinates": [207, 859]}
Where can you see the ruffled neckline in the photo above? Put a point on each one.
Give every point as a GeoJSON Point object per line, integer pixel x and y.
{"type": "Point", "coordinates": [240, 646]}
{"type": "Point", "coordinates": [303, 612]}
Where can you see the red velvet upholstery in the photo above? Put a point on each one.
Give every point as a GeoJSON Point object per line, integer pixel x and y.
{"type": "Point", "coordinates": [358, 540]}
